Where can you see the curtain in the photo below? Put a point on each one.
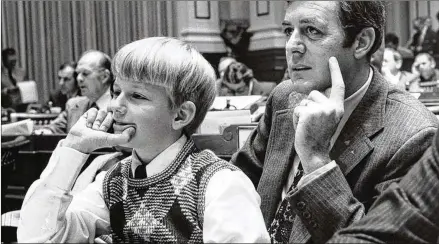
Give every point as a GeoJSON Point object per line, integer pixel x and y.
{"type": "Point", "coordinates": [49, 33]}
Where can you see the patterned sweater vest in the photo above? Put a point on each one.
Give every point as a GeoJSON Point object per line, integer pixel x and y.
{"type": "Point", "coordinates": [167, 207]}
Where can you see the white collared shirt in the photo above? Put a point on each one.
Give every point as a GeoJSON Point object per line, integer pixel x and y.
{"type": "Point", "coordinates": [51, 214]}
{"type": "Point", "coordinates": [350, 104]}
{"type": "Point", "coordinates": [161, 161]}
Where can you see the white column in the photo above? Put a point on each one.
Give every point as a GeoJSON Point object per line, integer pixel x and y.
{"type": "Point", "coordinates": [198, 23]}
{"type": "Point", "coordinates": [266, 24]}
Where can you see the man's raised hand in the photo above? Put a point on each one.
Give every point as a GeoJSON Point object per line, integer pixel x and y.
{"type": "Point", "coordinates": [90, 132]}
{"type": "Point", "coordinates": [316, 120]}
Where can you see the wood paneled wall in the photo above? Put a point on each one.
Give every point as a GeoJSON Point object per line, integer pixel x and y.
{"type": "Point", "coordinates": [49, 33]}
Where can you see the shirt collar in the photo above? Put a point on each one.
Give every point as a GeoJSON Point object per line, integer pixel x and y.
{"type": "Point", "coordinates": [162, 160]}
{"type": "Point", "coordinates": [104, 100]}
{"type": "Point", "coordinates": [350, 104]}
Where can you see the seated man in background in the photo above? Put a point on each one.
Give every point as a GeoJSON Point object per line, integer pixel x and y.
{"type": "Point", "coordinates": [11, 74]}
{"type": "Point", "coordinates": [167, 190]}
{"type": "Point", "coordinates": [238, 80]}
{"type": "Point", "coordinates": [94, 79]}
{"type": "Point", "coordinates": [407, 212]}
{"type": "Point", "coordinates": [426, 77]}
{"type": "Point", "coordinates": [68, 86]}
{"type": "Point", "coordinates": [336, 134]}
{"type": "Point", "coordinates": [392, 63]}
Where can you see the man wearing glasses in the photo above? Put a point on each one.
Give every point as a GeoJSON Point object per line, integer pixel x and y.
{"type": "Point", "coordinates": [94, 80]}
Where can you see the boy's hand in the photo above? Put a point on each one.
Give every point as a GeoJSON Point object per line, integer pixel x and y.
{"type": "Point", "coordinates": [90, 132]}
{"type": "Point", "coordinates": [316, 120]}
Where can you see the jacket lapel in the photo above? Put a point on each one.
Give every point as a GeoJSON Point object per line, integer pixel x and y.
{"type": "Point", "coordinates": [279, 158]}
{"type": "Point", "coordinates": [367, 119]}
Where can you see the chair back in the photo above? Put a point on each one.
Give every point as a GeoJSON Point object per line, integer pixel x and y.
{"type": "Point", "coordinates": [29, 92]}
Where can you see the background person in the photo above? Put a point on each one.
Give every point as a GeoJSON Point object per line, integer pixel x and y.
{"type": "Point", "coordinates": [391, 69]}
{"type": "Point", "coordinates": [426, 75]}
{"type": "Point", "coordinates": [238, 80]}
{"type": "Point", "coordinates": [94, 80]}
{"type": "Point", "coordinates": [68, 86]}
{"type": "Point", "coordinates": [11, 74]}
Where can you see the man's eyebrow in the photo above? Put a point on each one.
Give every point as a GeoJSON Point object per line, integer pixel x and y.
{"type": "Point", "coordinates": [314, 20]}
{"type": "Point", "coordinates": [285, 22]}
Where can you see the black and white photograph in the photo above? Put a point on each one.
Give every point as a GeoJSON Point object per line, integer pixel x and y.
{"type": "Point", "coordinates": [152, 121]}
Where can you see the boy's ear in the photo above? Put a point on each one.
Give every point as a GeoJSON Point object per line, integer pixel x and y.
{"type": "Point", "coordinates": [184, 115]}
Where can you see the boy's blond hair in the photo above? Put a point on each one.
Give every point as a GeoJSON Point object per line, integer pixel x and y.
{"type": "Point", "coordinates": [173, 64]}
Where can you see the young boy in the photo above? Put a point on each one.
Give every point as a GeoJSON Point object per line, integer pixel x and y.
{"type": "Point", "coordinates": [167, 190]}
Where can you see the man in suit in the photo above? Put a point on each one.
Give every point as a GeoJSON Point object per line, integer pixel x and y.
{"type": "Point", "coordinates": [68, 86]}
{"type": "Point", "coordinates": [349, 144]}
{"type": "Point", "coordinates": [94, 79]}
{"type": "Point", "coordinates": [425, 75]}
{"type": "Point", "coordinates": [407, 212]}
{"type": "Point", "coordinates": [11, 74]}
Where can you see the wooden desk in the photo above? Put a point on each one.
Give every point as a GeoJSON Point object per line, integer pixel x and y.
{"type": "Point", "coordinates": [40, 120]}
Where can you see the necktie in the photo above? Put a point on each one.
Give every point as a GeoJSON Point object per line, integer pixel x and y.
{"type": "Point", "coordinates": [140, 172]}
{"type": "Point", "coordinates": [282, 224]}
{"type": "Point", "coordinates": [11, 77]}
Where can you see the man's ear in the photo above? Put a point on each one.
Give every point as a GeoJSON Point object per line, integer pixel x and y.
{"type": "Point", "coordinates": [364, 42]}
{"type": "Point", "coordinates": [184, 115]}
{"type": "Point", "coordinates": [105, 76]}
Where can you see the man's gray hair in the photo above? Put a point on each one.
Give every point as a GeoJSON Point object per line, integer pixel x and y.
{"type": "Point", "coordinates": [173, 64]}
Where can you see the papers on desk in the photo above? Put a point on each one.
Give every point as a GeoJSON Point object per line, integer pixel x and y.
{"type": "Point", "coordinates": [216, 121]}
{"type": "Point", "coordinates": [23, 127]}
{"type": "Point", "coordinates": [238, 102]}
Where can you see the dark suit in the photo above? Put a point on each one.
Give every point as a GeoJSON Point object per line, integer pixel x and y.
{"type": "Point", "coordinates": [407, 212]}
{"type": "Point", "coordinates": [386, 133]}
{"type": "Point", "coordinates": [75, 108]}
{"type": "Point", "coordinates": [59, 100]}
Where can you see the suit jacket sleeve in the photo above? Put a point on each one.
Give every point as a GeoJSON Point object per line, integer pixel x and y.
{"type": "Point", "coordinates": [59, 125]}
{"type": "Point", "coordinates": [407, 212]}
{"type": "Point", "coordinates": [327, 203]}
{"type": "Point", "coordinates": [250, 158]}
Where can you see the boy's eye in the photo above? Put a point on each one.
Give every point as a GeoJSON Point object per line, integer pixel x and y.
{"type": "Point", "coordinates": [138, 96]}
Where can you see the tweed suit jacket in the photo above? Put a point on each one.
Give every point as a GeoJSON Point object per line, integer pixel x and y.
{"type": "Point", "coordinates": [75, 108]}
{"type": "Point", "coordinates": [407, 212]}
{"type": "Point", "coordinates": [385, 135]}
